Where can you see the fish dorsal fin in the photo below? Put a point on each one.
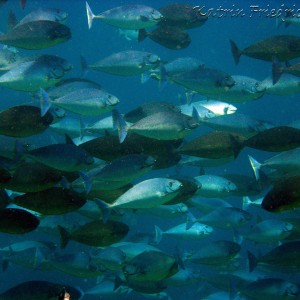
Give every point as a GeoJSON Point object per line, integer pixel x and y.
{"type": "Point", "coordinates": [69, 140]}
{"type": "Point", "coordinates": [11, 21]}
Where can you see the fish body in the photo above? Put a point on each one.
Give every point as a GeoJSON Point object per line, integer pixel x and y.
{"type": "Point", "coordinates": [205, 81]}
{"type": "Point", "coordinates": [284, 47]}
{"type": "Point", "coordinates": [23, 121]}
{"type": "Point", "coordinates": [17, 221]}
{"type": "Point", "coordinates": [272, 288]}
{"type": "Point", "coordinates": [36, 35]}
{"type": "Point", "coordinates": [63, 157]}
{"type": "Point", "coordinates": [95, 233]}
{"type": "Point", "coordinates": [43, 71]}
{"type": "Point", "coordinates": [132, 16]}
{"type": "Point", "coordinates": [127, 63]}
{"type": "Point", "coordinates": [52, 201]}
{"type": "Point", "coordinates": [181, 15]}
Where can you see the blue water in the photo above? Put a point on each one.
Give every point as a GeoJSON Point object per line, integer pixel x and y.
{"type": "Point", "coordinates": [210, 43]}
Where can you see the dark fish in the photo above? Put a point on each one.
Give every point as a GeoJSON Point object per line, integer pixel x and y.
{"type": "Point", "coordinates": [36, 35]}
{"type": "Point", "coordinates": [278, 69]}
{"type": "Point", "coordinates": [32, 177]}
{"type": "Point", "coordinates": [24, 120]}
{"type": "Point", "coordinates": [22, 3]}
{"type": "Point", "coordinates": [95, 233]}
{"type": "Point", "coordinates": [285, 195]}
{"type": "Point", "coordinates": [277, 139]}
{"type": "Point", "coordinates": [63, 157]}
{"type": "Point", "coordinates": [151, 266]}
{"type": "Point", "coordinates": [17, 221]}
{"type": "Point", "coordinates": [149, 108]}
{"type": "Point", "coordinates": [216, 144]}
{"type": "Point", "coordinates": [283, 258]}
{"type": "Point", "coordinates": [40, 290]}
{"type": "Point", "coordinates": [53, 201]}
{"type": "Point", "coordinates": [109, 148]}
{"type": "Point", "coordinates": [168, 36]}
{"type": "Point", "coordinates": [181, 15]}
{"type": "Point", "coordinates": [204, 80]}
{"type": "Point", "coordinates": [284, 47]}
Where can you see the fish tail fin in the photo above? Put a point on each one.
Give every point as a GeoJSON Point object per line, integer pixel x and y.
{"type": "Point", "coordinates": [252, 261]}
{"type": "Point", "coordinates": [87, 181]}
{"type": "Point", "coordinates": [120, 124]}
{"type": "Point", "coordinates": [246, 202]}
{"type": "Point", "coordinates": [64, 237]}
{"type": "Point", "coordinates": [142, 34]}
{"type": "Point", "coordinates": [158, 235]}
{"type": "Point", "coordinates": [233, 293]}
{"type": "Point", "coordinates": [190, 220]}
{"type": "Point", "coordinates": [179, 257]}
{"type": "Point", "coordinates": [163, 77]}
{"type": "Point", "coordinates": [90, 15]}
{"type": "Point", "coordinates": [236, 52]}
{"type": "Point", "coordinates": [105, 209]}
{"type": "Point", "coordinates": [278, 22]}
{"type": "Point", "coordinates": [83, 66]}
{"type": "Point", "coordinates": [44, 101]}
{"type": "Point", "coordinates": [38, 258]}
{"type": "Point", "coordinates": [277, 69]}
{"type": "Point", "coordinates": [118, 282]}
{"type": "Point", "coordinates": [255, 166]}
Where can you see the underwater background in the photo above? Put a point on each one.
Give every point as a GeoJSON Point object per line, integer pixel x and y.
{"type": "Point", "coordinates": [210, 44]}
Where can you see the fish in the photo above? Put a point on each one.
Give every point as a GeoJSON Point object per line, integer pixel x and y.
{"type": "Point", "coordinates": [71, 126]}
{"type": "Point", "coordinates": [269, 231]}
{"type": "Point", "coordinates": [223, 217]}
{"type": "Point", "coordinates": [214, 145]}
{"type": "Point", "coordinates": [129, 34]}
{"type": "Point", "coordinates": [238, 123]}
{"type": "Point", "coordinates": [276, 139]}
{"type": "Point", "coordinates": [132, 16]}
{"type": "Point", "coordinates": [24, 121]}
{"type": "Point", "coordinates": [149, 108]}
{"type": "Point", "coordinates": [285, 163]}
{"type": "Point", "coordinates": [40, 290]}
{"type": "Point", "coordinates": [284, 195]}
{"type": "Point", "coordinates": [86, 102]}
{"type": "Point", "coordinates": [32, 177]}
{"type": "Point", "coordinates": [145, 194]}
{"type": "Point", "coordinates": [288, 84]}
{"type": "Point", "coordinates": [272, 288]}
{"type": "Point", "coordinates": [17, 221]}
{"type": "Point", "coordinates": [63, 157]}
{"type": "Point", "coordinates": [110, 258]}
{"type": "Point", "coordinates": [125, 63]}
{"type": "Point", "coordinates": [53, 201]}
{"type": "Point", "coordinates": [213, 186]}
{"type": "Point", "coordinates": [77, 264]}
{"type": "Point", "coordinates": [196, 232]}
{"type": "Point", "coordinates": [205, 81]}
{"type": "Point", "coordinates": [181, 15]}
{"type": "Point", "coordinates": [219, 108]}
{"type": "Point", "coordinates": [284, 47]}
{"type": "Point", "coordinates": [278, 69]}
{"type": "Point", "coordinates": [42, 71]}
{"type": "Point", "coordinates": [168, 36]}
{"type": "Point", "coordinates": [245, 89]}
{"type": "Point", "coordinates": [283, 258]}
{"type": "Point", "coordinates": [70, 85]}
{"type": "Point", "coordinates": [166, 125]}
{"type": "Point", "coordinates": [120, 172]}
{"type": "Point", "coordinates": [150, 266]}
{"type": "Point", "coordinates": [95, 233]}
{"type": "Point", "coordinates": [109, 148]}
{"type": "Point", "coordinates": [36, 35]}
{"type": "Point", "coordinates": [216, 253]}
{"type": "Point", "coordinates": [45, 14]}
